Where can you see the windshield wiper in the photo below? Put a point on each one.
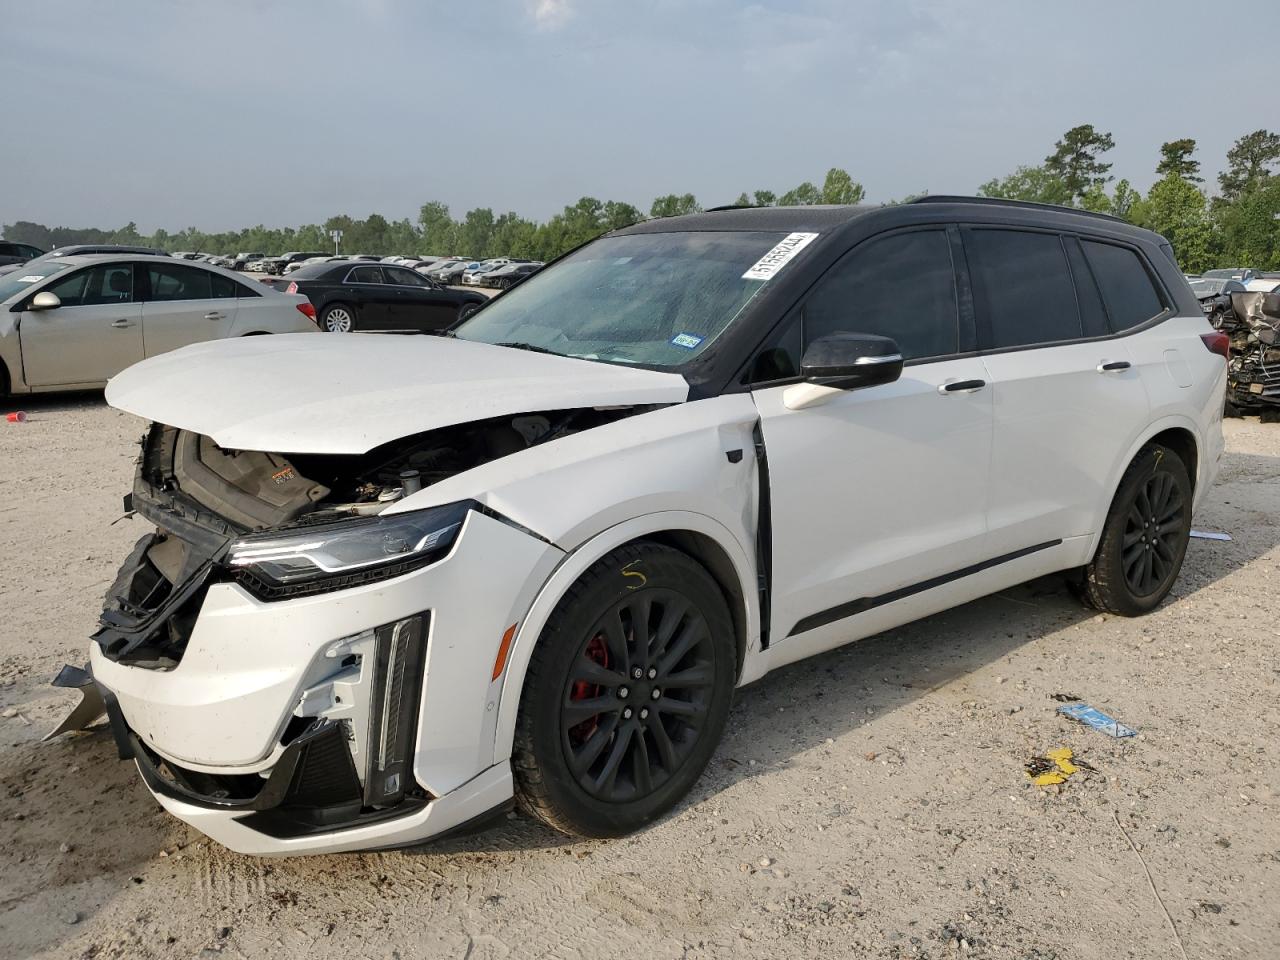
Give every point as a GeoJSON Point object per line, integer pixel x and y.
{"type": "Point", "coordinates": [517, 345]}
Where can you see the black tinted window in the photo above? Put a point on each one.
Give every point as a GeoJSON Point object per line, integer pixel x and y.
{"type": "Point", "coordinates": [1027, 292]}
{"type": "Point", "coordinates": [1093, 316]}
{"type": "Point", "coordinates": [365, 275]}
{"type": "Point", "coordinates": [107, 283]}
{"type": "Point", "coordinates": [1126, 286]}
{"type": "Point", "coordinates": [223, 287]}
{"type": "Point", "coordinates": [174, 282]}
{"type": "Point", "coordinates": [404, 277]}
{"type": "Point", "coordinates": [902, 286]}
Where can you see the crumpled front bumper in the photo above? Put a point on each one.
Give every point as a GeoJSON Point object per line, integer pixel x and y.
{"type": "Point", "coordinates": [265, 691]}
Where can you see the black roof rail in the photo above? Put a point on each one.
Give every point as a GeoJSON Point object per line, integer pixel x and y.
{"type": "Point", "coordinates": [1025, 204]}
{"type": "Point", "coordinates": [730, 206]}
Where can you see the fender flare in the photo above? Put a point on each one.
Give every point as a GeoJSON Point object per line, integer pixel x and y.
{"type": "Point", "coordinates": [1172, 421]}
{"type": "Point", "coordinates": [576, 563]}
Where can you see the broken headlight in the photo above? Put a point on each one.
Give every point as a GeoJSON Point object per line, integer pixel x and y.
{"type": "Point", "coordinates": [335, 555]}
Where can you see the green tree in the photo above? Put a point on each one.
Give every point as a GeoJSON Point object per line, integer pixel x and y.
{"type": "Point", "coordinates": [1123, 199]}
{"type": "Point", "coordinates": [674, 205]}
{"type": "Point", "coordinates": [1075, 160]}
{"type": "Point", "coordinates": [802, 196]}
{"type": "Point", "coordinates": [1175, 158]}
{"type": "Point", "coordinates": [765, 198]}
{"type": "Point", "coordinates": [436, 229]}
{"type": "Point", "coordinates": [475, 231]}
{"type": "Point", "coordinates": [839, 187]}
{"type": "Point", "coordinates": [1178, 211]}
{"type": "Point", "coordinates": [1250, 228]}
{"type": "Point", "coordinates": [1249, 163]}
{"type": "Point", "coordinates": [618, 215]}
{"type": "Point", "coordinates": [1028, 183]}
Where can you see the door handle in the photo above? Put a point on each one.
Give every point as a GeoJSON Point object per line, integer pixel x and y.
{"type": "Point", "coordinates": [962, 386]}
{"type": "Point", "coordinates": [121, 324]}
{"type": "Point", "coordinates": [215, 315]}
{"type": "Point", "coordinates": [1113, 366]}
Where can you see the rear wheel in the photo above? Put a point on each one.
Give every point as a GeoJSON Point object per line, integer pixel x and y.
{"type": "Point", "coordinates": [1144, 539]}
{"type": "Point", "coordinates": [338, 318]}
{"type": "Point", "coordinates": [626, 695]}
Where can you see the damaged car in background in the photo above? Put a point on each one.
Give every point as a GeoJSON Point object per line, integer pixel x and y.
{"type": "Point", "coordinates": [389, 588]}
{"type": "Point", "coordinates": [1251, 319]}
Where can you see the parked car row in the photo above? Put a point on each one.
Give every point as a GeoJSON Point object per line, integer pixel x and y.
{"type": "Point", "coordinates": [363, 295]}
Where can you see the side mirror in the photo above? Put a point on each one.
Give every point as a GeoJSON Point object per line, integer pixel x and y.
{"type": "Point", "coordinates": [843, 361]}
{"type": "Point", "coordinates": [45, 300]}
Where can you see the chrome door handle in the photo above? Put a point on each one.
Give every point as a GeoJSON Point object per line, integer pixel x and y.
{"type": "Point", "coordinates": [120, 324]}
{"type": "Point", "coordinates": [1113, 366]}
{"type": "Point", "coordinates": [962, 386]}
{"type": "Point", "coordinates": [215, 315]}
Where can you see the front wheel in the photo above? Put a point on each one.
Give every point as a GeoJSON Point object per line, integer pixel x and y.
{"type": "Point", "coordinates": [626, 695]}
{"type": "Point", "coordinates": [1144, 539]}
{"type": "Point", "coordinates": [338, 318]}
{"type": "Point", "coordinates": [466, 310]}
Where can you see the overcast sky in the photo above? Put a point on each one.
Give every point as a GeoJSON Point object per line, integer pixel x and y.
{"type": "Point", "coordinates": [226, 113]}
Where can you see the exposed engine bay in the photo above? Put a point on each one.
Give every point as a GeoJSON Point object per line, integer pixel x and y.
{"type": "Point", "coordinates": [202, 498]}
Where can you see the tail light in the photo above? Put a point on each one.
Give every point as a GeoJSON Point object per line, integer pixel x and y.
{"type": "Point", "coordinates": [308, 310]}
{"type": "Point", "coordinates": [292, 288]}
{"type": "Point", "coordinates": [1217, 342]}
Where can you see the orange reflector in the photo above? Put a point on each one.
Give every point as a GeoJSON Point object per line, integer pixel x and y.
{"type": "Point", "coordinates": [504, 648]}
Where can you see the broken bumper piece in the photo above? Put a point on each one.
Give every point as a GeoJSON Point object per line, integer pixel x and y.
{"type": "Point", "coordinates": [354, 719]}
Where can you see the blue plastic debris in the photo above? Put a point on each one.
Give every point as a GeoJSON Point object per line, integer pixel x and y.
{"type": "Point", "coordinates": [1095, 718]}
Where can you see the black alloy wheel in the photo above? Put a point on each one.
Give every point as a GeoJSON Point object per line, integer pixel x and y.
{"type": "Point", "coordinates": [626, 694]}
{"type": "Point", "coordinates": [1154, 526]}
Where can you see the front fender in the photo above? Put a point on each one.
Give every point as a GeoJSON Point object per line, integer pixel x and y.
{"type": "Point", "coordinates": [577, 563]}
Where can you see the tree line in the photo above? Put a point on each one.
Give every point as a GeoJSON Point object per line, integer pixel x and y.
{"type": "Point", "coordinates": [1239, 226]}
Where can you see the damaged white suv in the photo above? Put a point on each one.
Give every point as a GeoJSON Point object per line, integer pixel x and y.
{"type": "Point", "coordinates": [395, 583]}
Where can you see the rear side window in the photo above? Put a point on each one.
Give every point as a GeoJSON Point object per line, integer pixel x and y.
{"type": "Point", "coordinates": [1027, 296]}
{"type": "Point", "coordinates": [224, 288]}
{"type": "Point", "coordinates": [365, 275]}
{"type": "Point", "coordinates": [173, 282]}
{"type": "Point", "coordinates": [901, 286]}
{"type": "Point", "coordinates": [1126, 286]}
{"type": "Point", "coordinates": [1093, 315]}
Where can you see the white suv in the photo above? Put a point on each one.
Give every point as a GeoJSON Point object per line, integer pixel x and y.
{"type": "Point", "coordinates": [395, 584]}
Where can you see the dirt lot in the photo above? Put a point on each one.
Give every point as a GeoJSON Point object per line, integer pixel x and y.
{"type": "Point", "coordinates": [871, 802]}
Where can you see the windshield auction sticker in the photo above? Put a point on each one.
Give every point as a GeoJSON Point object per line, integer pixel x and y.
{"type": "Point", "coordinates": [779, 256]}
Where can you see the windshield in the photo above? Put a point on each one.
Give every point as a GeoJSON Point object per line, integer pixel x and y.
{"type": "Point", "coordinates": [20, 280]}
{"type": "Point", "coordinates": [657, 299]}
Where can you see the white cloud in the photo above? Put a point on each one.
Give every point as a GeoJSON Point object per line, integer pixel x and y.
{"type": "Point", "coordinates": [551, 14]}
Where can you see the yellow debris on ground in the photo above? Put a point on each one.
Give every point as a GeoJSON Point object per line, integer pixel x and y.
{"type": "Point", "coordinates": [1053, 768]}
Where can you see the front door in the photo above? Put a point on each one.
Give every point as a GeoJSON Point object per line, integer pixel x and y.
{"type": "Point", "coordinates": [95, 334]}
{"type": "Point", "coordinates": [185, 304]}
{"type": "Point", "coordinates": [420, 305]}
{"type": "Point", "coordinates": [880, 491]}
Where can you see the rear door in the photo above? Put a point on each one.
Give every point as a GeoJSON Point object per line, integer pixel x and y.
{"type": "Point", "coordinates": [375, 300]}
{"type": "Point", "coordinates": [419, 304]}
{"type": "Point", "coordinates": [1067, 396]}
{"type": "Point", "coordinates": [185, 304]}
{"type": "Point", "coordinates": [95, 334]}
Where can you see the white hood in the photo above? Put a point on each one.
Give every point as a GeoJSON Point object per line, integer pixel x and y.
{"type": "Point", "coordinates": [349, 393]}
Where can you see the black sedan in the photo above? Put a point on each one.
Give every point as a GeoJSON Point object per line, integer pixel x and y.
{"type": "Point", "coordinates": [351, 295]}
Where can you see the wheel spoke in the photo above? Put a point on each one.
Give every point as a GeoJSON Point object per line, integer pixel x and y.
{"type": "Point", "coordinates": [681, 708]}
{"type": "Point", "coordinates": [584, 757]}
{"type": "Point", "coordinates": [673, 612]}
{"type": "Point", "coordinates": [576, 711]}
{"type": "Point", "coordinates": [697, 676]}
{"type": "Point", "coordinates": [693, 631]}
{"type": "Point", "coordinates": [1172, 509]}
{"type": "Point", "coordinates": [662, 743]}
{"type": "Point", "coordinates": [1131, 557]}
{"type": "Point", "coordinates": [592, 672]}
{"type": "Point", "coordinates": [609, 772]}
{"type": "Point", "coordinates": [640, 611]}
{"type": "Point", "coordinates": [1144, 504]}
{"type": "Point", "coordinates": [1146, 571]}
{"type": "Point", "coordinates": [1130, 539]}
{"type": "Point", "coordinates": [641, 772]}
{"type": "Point", "coordinates": [1136, 519]}
{"type": "Point", "coordinates": [616, 641]}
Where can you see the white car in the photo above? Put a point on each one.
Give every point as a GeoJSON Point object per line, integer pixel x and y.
{"type": "Point", "coordinates": [72, 323]}
{"type": "Point", "coordinates": [396, 583]}
{"type": "Point", "coordinates": [472, 275]}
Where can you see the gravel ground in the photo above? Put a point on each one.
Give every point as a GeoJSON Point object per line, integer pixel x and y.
{"type": "Point", "coordinates": [867, 803]}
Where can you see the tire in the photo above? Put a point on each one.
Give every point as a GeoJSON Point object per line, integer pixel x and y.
{"type": "Point", "coordinates": [466, 310]}
{"type": "Point", "coordinates": [1138, 560]}
{"type": "Point", "coordinates": [338, 318]}
{"type": "Point", "coordinates": [576, 702]}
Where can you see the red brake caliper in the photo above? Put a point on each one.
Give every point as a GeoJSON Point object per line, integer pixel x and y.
{"type": "Point", "coordinates": [585, 690]}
